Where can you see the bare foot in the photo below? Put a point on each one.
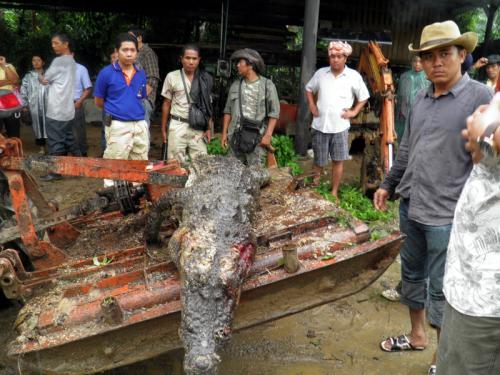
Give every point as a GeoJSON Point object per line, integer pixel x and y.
{"type": "Point", "coordinates": [316, 180]}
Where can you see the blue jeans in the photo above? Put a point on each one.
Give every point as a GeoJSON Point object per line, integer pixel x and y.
{"type": "Point", "coordinates": [423, 258]}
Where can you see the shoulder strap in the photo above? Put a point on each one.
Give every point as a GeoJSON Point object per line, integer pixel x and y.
{"type": "Point", "coordinates": [265, 95]}
{"type": "Point", "coordinates": [188, 95]}
{"type": "Point", "coordinates": [239, 98]}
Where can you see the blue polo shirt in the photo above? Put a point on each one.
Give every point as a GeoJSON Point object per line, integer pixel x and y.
{"type": "Point", "coordinates": [122, 101]}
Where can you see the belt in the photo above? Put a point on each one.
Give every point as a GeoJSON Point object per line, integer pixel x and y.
{"type": "Point", "coordinates": [181, 119]}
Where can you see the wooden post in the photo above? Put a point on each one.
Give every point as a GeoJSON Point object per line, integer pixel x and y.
{"type": "Point", "coordinates": [311, 16]}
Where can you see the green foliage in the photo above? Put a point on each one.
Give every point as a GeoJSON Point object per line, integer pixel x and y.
{"type": "Point", "coordinates": [473, 20]}
{"type": "Point", "coordinates": [353, 201]}
{"type": "Point", "coordinates": [105, 260]}
{"type": "Point", "coordinates": [26, 32]}
{"type": "Point", "coordinates": [285, 153]}
{"type": "Point", "coordinates": [215, 147]}
{"type": "Point", "coordinates": [287, 81]}
{"type": "Point", "coordinates": [378, 234]}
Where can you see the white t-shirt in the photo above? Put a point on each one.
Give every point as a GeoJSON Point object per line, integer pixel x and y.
{"type": "Point", "coordinates": [334, 95]}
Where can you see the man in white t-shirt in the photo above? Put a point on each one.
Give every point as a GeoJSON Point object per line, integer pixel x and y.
{"type": "Point", "coordinates": [330, 94]}
{"type": "Point", "coordinates": [60, 79]}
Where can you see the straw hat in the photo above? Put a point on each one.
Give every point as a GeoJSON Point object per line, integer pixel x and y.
{"type": "Point", "coordinates": [443, 34]}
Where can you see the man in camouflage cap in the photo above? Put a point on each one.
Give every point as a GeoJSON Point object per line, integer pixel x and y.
{"type": "Point", "coordinates": [259, 103]}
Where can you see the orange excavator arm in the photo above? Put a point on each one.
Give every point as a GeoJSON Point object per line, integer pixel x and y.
{"type": "Point", "coordinates": [375, 67]}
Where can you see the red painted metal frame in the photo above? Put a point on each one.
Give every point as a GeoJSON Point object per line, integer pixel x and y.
{"type": "Point", "coordinates": [24, 192]}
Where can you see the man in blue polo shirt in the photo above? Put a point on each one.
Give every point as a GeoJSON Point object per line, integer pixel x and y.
{"type": "Point", "coordinates": [120, 89]}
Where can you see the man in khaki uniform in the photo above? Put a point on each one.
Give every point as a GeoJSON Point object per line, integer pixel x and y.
{"type": "Point", "coordinates": [183, 140]}
{"type": "Point", "coordinates": [259, 102]}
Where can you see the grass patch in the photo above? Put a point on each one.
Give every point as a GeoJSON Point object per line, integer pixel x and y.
{"type": "Point", "coordinates": [357, 204]}
{"type": "Point", "coordinates": [285, 153]}
{"type": "Point", "coordinates": [214, 147]}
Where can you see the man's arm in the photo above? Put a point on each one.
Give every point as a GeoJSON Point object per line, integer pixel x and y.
{"type": "Point", "coordinates": [225, 126]}
{"type": "Point", "coordinates": [311, 101]}
{"type": "Point", "coordinates": [165, 113]}
{"type": "Point", "coordinates": [388, 187]}
{"type": "Point", "coordinates": [87, 85]}
{"type": "Point", "coordinates": [273, 103]}
{"type": "Point", "coordinates": [353, 112]}
{"type": "Point", "coordinates": [85, 95]}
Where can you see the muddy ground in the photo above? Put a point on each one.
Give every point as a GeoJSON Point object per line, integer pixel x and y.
{"type": "Point", "coordinates": [338, 338]}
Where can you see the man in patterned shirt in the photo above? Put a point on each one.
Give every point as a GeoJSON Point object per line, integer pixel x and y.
{"type": "Point", "coordinates": [148, 61]}
{"type": "Point", "coordinates": [470, 338]}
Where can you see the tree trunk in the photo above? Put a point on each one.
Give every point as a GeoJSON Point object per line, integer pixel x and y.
{"type": "Point", "coordinates": [490, 11]}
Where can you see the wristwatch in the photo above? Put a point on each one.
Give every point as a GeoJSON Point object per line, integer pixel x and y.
{"type": "Point", "coordinates": [487, 137]}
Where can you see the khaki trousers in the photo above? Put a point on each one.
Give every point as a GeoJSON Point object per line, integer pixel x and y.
{"type": "Point", "coordinates": [126, 140]}
{"type": "Point", "coordinates": [184, 141]}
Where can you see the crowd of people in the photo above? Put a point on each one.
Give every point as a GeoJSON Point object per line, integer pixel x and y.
{"type": "Point", "coordinates": [446, 174]}
{"type": "Point", "coordinates": [126, 91]}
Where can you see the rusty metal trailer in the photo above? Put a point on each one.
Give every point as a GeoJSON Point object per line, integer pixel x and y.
{"type": "Point", "coordinates": [98, 297]}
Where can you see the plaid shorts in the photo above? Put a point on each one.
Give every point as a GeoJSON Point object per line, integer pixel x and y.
{"type": "Point", "coordinates": [333, 145]}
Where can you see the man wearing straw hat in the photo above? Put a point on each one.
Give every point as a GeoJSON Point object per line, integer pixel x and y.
{"type": "Point", "coordinates": [429, 173]}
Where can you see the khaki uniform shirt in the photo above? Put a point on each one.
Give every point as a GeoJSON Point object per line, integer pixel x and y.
{"type": "Point", "coordinates": [173, 90]}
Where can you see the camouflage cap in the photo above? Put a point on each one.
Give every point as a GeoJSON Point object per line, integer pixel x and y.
{"type": "Point", "coordinates": [252, 56]}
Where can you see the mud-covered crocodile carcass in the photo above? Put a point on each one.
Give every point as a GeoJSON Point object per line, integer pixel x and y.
{"type": "Point", "coordinates": [97, 295]}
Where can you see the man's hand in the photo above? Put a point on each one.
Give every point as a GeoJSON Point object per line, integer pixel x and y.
{"type": "Point", "coordinates": [348, 114]}
{"type": "Point", "coordinates": [480, 63]}
{"type": "Point", "coordinates": [475, 128]}
{"type": "Point", "coordinates": [380, 199]}
{"type": "Point", "coordinates": [223, 140]}
{"type": "Point", "coordinates": [78, 104]}
{"type": "Point", "coordinates": [149, 89]}
{"type": "Point", "coordinates": [208, 135]}
{"type": "Point", "coordinates": [42, 80]}
{"type": "Point", "coordinates": [314, 110]}
{"type": "Point", "coordinates": [266, 141]}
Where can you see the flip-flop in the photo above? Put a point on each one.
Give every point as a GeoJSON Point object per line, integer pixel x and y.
{"type": "Point", "coordinates": [432, 370]}
{"type": "Point", "coordinates": [400, 343]}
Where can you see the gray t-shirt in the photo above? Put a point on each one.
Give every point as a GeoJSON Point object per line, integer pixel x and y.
{"type": "Point", "coordinates": [61, 77]}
